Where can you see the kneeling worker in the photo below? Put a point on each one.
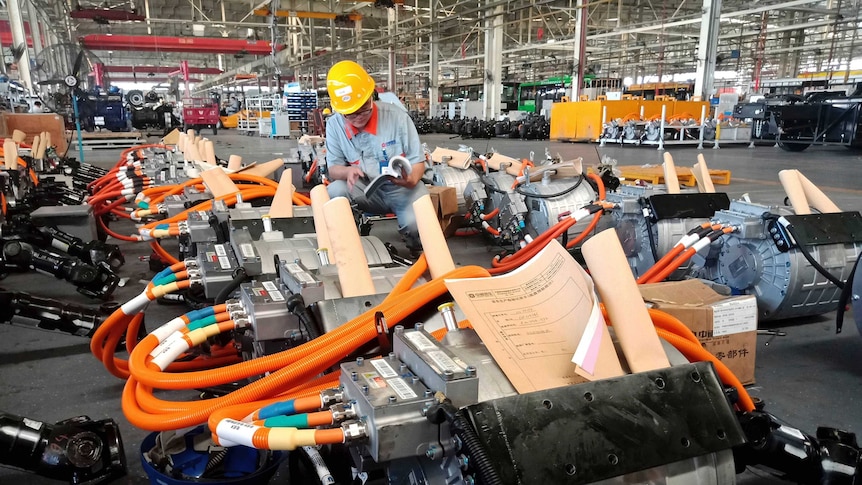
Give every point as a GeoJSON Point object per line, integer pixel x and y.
{"type": "Point", "coordinates": [361, 138]}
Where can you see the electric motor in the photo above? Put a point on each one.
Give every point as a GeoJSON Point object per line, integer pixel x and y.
{"type": "Point", "coordinates": [649, 222]}
{"type": "Point", "coordinates": [456, 178]}
{"type": "Point", "coordinates": [548, 200]}
{"type": "Point", "coordinates": [786, 285]}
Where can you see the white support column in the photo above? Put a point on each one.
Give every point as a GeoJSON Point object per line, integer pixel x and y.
{"type": "Point", "coordinates": [36, 28]}
{"type": "Point", "coordinates": [357, 33]}
{"type": "Point", "coordinates": [16, 24]}
{"type": "Point", "coordinates": [393, 20]}
{"type": "Point", "coordinates": [493, 85]}
{"type": "Point", "coordinates": [580, 50]}
{"type": "Point", "coordinates": [433, 66]}
{"type": "Point", "coordinates": [707, 49]}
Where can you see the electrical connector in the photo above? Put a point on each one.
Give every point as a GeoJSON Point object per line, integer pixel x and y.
{"type": "Point", "coordinates": [353, 430]}
{"type": "Point", "coordinates": [331, 396]}
{"type": "Point", "coordinates": [342, 412]}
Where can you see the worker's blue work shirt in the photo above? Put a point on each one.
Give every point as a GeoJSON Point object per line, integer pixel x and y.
{"type": "Point", "coordinates": [389, 132]}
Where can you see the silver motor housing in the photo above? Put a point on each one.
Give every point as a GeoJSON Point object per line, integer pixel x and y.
{"type": "Point", "coordinates": [784, 283]}
{"type": "Point", "coordinates": [630, 222]}
{"type": "Point", "coordinates": [458, 179]}
{"type": "Point", "coordinates": [538, 213]}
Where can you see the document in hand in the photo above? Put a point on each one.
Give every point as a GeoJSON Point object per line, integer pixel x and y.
{"type": "Point", "coordinates": [541, 322]}
{"type": "Point", "coordinates": [398, 167]}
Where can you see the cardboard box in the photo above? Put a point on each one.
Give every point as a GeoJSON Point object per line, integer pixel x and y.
{"type": "Point", "coordinates": [445, 203]}
{"type": "Point", "coordinates": [444, 200]}
{"type": "Point", "coordinates": [725, 325]}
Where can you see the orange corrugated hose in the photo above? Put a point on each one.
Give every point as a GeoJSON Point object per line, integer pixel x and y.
{"type": "Point", "coordinates": [288, 368]}
{"type": "Point", "coordinates": [677, 334]}
{"type": "Point", "coordinates": [162, 253]}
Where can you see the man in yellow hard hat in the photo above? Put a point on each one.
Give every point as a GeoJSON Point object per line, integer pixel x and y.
{"type": "Point", "coordinates": [361, 137]}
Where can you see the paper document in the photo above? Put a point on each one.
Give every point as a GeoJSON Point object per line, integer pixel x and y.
{"type": "Point", "coordinates": [540, 322]}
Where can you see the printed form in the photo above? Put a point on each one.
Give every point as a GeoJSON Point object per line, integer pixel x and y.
{"type": "Point", "coordinates": [541, 322]}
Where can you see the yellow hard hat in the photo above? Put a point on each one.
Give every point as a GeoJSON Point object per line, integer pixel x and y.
{"type": "Point", "coordinates": [327, 111]}
{"type": "Point", "coordinates": [349, 87]}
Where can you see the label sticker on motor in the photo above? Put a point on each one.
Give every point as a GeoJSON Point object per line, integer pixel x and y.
{"type": "Point", "coordinates": [273, 291]}
{"type": "Point", "coordinates": [247, 250]}
{"type": "Point", "coordinates": [374, 380]}
{"type": "Point", "coordinates": [401, 388]}
{"type": "Point", "coordinates": [384, 368]}
{"type": "Point", "coordinates": [219, 249]}
{"type": "Point", "coordinates": [299, 273]}
{"type": "Point", "coordinates": [224, 262]}
{"type": "Point", "coordinates": [444, 361]}
{"type": "Point", "coordinates": [420, 341]}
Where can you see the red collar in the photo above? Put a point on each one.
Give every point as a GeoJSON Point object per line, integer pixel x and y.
{"type": "Point", "coordinates": [371, 127]}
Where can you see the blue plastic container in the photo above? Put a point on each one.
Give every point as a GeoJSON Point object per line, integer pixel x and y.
{"type": "Point", "coordinates": [262, 475]}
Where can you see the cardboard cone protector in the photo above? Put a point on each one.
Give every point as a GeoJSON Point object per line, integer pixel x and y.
{"type": "Point", "coordinates": [512, 166]}
{"type": "Point", "coordinates": [671, 181]}
{"type": "Point", "coordinates": [47, 138]}
{"type": "Point", "coordinates": [209, 152]}
{"type": "Point", "coordinates": [319, 198]}
{"type": "Point", "coordinates": [18, 136]}
{"type": "Point", "coordinates": [44, 143]}
{"type": "Point", "coordinates": [816, 198]}
{"type": "Point", "coordinates": [353, 273]}
{"type": "Point", "coordinates": [10, 154]}
{"type": "Point", "coordinates": [453, 158]}
{"type": "Point", "coordinates": [181, 142]}
{"type": "Point", "coordinates": [282, 202]}
{"type": "Point", "coordinates": [37, 140]}
{"type": "Point", "coordinates": [218, 182]}
{"type": "Point", "coordinates": [793, 188]}
{"type": "Point", "coordinates": [191, 133]}
{"type": "Point", "coordinates": [618, 290]}
{"type": "Point", "coordinates": [701, 174]}
{"type": "Point", "coordinates": [265, 169]}
{"type": "Point", "coordinates": [433, 242]}
{"type": "Point", "coordinates": [234, 163]}
{"type": "Point", "coordinates": [192, 153]}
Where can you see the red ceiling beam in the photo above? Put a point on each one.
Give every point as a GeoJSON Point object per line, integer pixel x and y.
{"type": "Point", "coordinates": [145, 79]}
{"type": "Point", "coordinates": [197, 45]}
{"type": "Point", "coordinates": [144, 70]}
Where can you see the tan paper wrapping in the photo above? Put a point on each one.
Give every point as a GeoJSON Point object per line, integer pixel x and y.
{"type": "Point", "coordinates": [282, 203]}
{"type": "Point", "coordinates": [816, 198]}
{"type": "Point", "coordinates": [319, 198]}
{"type": "Point", "coordinates": [618, 290]}
{"type": "Point", "coordinates": [218, 183]}
{"type": "Point", "coordinates": [209, 152]}
{"type": "Point", "coordinates": [234, 163]}
{"type": "Point", "coordinates": [353, 273]}
{"type": "Point", "coordinates": [433, 242]}
{"type": "Point", "coordinates": [265, 169]}
{"type": "Point", "coordinates": [793, 188]}
{"type": "Point", "coordinates": [10, 154]}
{"type": "Point", "coordinates": [701, 174]}
{"type": "Point", "coordinates": [671, 181]}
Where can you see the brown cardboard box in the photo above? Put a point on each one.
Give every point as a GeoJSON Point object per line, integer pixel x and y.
{"type": "Point", "coordinates": [445, 202]}
{"type": "Point", "coordinates": [725, 325]}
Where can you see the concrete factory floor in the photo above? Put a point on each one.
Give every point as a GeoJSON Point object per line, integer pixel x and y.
{"type": "Point", "coordinates": [809, 377]}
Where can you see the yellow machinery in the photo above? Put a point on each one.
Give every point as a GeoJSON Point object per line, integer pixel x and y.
{"type": "Point", "coordinates": [582, 120]}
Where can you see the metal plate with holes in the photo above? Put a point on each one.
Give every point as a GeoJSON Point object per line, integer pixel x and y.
{"type": "Point", "coordinates": [598, 430]}
{"type": "Point", "coordinates": [687, 206]}
{"type": "Point", "coordinates": [836, 228]}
